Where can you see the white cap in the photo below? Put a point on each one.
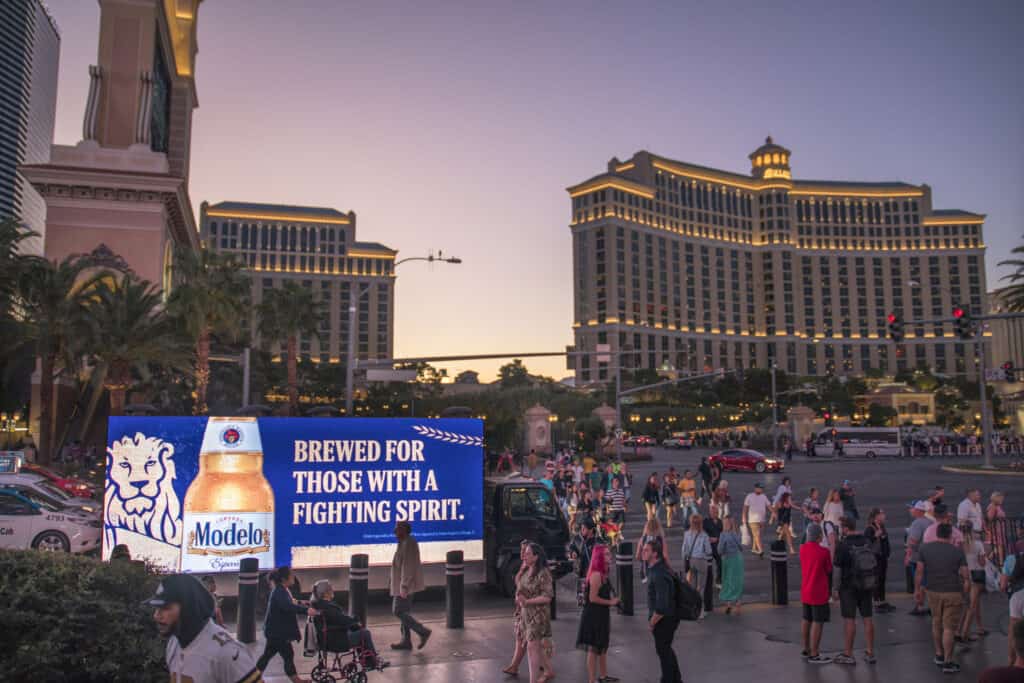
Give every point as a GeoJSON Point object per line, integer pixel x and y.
{"type": "Point", "coordinates": [921, 505]}
{"type": "Point", "coordinates": [231, 434]}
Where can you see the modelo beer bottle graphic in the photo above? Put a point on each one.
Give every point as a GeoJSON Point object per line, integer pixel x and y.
{"type": "Point", "coordinates": [229, 507]}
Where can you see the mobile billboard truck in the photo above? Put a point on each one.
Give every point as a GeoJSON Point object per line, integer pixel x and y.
{"type": "Point", "coordinates": [199, 494]}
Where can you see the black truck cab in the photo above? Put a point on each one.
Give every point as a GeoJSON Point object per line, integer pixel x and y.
{"type": "Point", "coordinates": [517, 508]}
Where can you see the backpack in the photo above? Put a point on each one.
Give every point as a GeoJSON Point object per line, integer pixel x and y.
{"type": "Point", "coordinates": [687, 601]}
{"type": "Point", "coordinates": [865, 567]}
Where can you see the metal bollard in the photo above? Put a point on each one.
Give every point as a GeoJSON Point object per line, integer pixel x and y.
{"type": "Point", "coordinates": [624, 572]}
{"type": "Point", "coordinates": [455, 585]}
{"type": "Point", "coordinates": [554, 597]}
{"type": "Point", "coordinates": [908, 572]}
{"type": "Point", "coordinates": [358, 586]}
{"type": "Point", "coordinates": [248, 585]}
{"type": "Point", "coordinates": [780, 573]}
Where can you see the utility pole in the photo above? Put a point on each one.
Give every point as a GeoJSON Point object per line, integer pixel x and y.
{"type": "Point", "coordinates": [775, 415]}
{"type": "Point", "coordinates": [986, 437]}
{"type": "Point", "coordinates": [618, 403]}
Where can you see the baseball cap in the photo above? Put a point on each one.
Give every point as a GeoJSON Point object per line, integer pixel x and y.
{"type": "Point", "coordinates": [758, 485]}
{"type": "Point", "coordinates": [174, 588]}
{"type": "Point", "coordinates": [919, 505]}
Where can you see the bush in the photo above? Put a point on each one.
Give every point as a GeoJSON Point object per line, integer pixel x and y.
{"type": "Point", "coordinates": [73, 618]}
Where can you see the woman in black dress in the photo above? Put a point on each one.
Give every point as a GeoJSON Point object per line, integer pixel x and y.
{"type": "Point", "coordinates": [595, 622]}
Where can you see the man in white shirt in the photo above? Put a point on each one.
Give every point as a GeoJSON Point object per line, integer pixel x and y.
{"type": "Point", "coordinates": [577, 473]}
{"type": "Point", "coordinates": [969, 510]}
{"type": "Point", "coordinates": [756, 512]}
{"type": "Point", "coordinates": [197, 648]}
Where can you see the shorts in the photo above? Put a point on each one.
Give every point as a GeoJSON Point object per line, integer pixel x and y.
{"type": "Point", "coordinates": [852, 601]}
{"type": "Point", "coordinates": [978, 576]}
{"type": "Point", "coordinates": [946, 608]}
{"type": "Point", "coordinates": [817, 614]}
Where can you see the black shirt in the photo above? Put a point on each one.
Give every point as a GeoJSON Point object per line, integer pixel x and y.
{"type": "Point", "coordinates": [881, 539]}
{"type": "Point", "coordinates": [844, 558]}
{"type": "Point", "coordinates": [583, 548]}
{"type": "Point", "coordinates": [713, 528]}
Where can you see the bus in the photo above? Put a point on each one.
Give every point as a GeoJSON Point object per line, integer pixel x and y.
{"type": "Point", "coordinates": [870, 442]}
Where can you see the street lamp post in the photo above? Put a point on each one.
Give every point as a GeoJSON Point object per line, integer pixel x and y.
{"type": "Point", "coordinates": [353, 306]}
{"type": "Point", "coordinates": [775, 415]}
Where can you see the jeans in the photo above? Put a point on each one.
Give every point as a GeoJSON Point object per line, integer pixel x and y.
{"type": "Point", "coordinates": [401, 608]}
{"type": "Point", "coordinates": [689, 508]}
{"type": "Point", "coordinates": [699, 569]}
{"type": "Point", "coordinates": [663, 632]}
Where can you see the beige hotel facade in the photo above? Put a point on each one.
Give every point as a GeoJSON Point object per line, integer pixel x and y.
{"type": "Point", "coordinates": [701, 269]}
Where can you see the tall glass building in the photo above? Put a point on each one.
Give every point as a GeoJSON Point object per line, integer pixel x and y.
{"type": "Point", "coordinates": [29, 55]}
{"type": "Point", "coordinates": [697, 268]}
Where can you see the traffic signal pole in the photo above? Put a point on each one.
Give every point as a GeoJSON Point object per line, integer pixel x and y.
{"type": "Point", "coordinates": [986, 427]}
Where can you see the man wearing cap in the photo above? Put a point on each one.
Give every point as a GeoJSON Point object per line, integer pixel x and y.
{"type": "Point", "coordinates": [915, 539]}
{"type": "Point", "coordinates": [197, 648]}
{"type": "Point", "coordinates": [756, 512]}
{"type": "Point", "coordinates": [582, 547]}
{"type": "Point", "coordinates": [847, 498]}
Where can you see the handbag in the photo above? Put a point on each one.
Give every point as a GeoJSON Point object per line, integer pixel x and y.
{"type": "Point", "coordinates": [309, 641]}
{"type": "Point", "coordinates": [745, 535]}
{"type": "Point", "coordinates": [992, 575]}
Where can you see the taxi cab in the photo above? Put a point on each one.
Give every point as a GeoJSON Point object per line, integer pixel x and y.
{"type": "Point", "coordinates": [45, 526]}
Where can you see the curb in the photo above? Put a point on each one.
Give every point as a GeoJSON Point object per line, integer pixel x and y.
{"type": "Point", "coordinates": [986, 473]}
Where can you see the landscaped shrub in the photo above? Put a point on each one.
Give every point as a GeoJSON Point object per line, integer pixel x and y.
{"type": "Point", "coordinates": [70, 618]}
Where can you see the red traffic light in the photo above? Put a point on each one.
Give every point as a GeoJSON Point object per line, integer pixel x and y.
{"type": "Point", "coordinates": [1007, 365]}
{"type": "Point", "coordinates": [827, 415]}
{"type": "Point", "coordinates": [891, 318]}
{"type": "Point", "coordinates": [958, 312]}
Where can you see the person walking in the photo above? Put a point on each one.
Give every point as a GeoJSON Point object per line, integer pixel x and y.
{"type": "Point", "coordinates": [595, 621]}
{"type": "Point", "coordinates": [974, 551]}
{"type": "Point", "coordinates": [688, 496]}
{"type": "Point", "coordinates": [519, 653]}
{"type": "Point", "coordinates": [815, 569]}
{"type": "Point", "coordinates": [651, 496]}
{"type": "Point", "coordinates": [197, 648]}
{"type": "Point", "coordinates": [730, 548]}
{"type": "Point", "coordinates": [705, 476]}
{"type": "Point", "coordinates": [810, 502]}
{"type": "Point", "coordinates": [969, 510]}
{"type": "Point", "coordinates": [697, 557]}
{"type": "Point", "coordinates": [948, 580]}
{"type": "Point", "coordinates": [652, 531]}
{"type": "Point", "coordinates": [627, 482]}
{"type": "Point", "coordinates": [785, 487]}
{"type": "Point", "coordinates": [848, 497]}
{"type": "Point", "coordinates": [915, 539]}
{"type": "Point", "coordinates": [833, 510]}
{"type": "Point", "coordinates": [720, 497]}
{"type": "Point", "coordinates": [756, 512]}
{"type": "Point", "coordinates": [878, 535]}
{"type": "Point", "coordinates": [669, 498]}
{"type": "Point", "coordinates": [857, 564]}
{"type": "Point", "coordinates": [782, 514]}
{"type": "Point", "coordinates": [406, 581]}
{"type": "Point", "coordinates": [617, 503]}
{"type": "Point", "coordinates": [534, 591]}
{"type": "Point", "coordinates": [280, 626]}
{"type": "Point", "coordinates": [661, 611]}
{"type": "Point", "coordinates": [713, 527]}
{"type": "Point", "coordinates": [996, 528]}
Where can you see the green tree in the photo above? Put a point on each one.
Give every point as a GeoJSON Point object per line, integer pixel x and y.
{"type": "Point", "coordinates": [880, 416]}
{"type": "Point", "coordinates": [593, 430]}
{"type": "Point", "coordinates": [50, 304]}
{"type": "Point", "coordinates": [513, 374]}
{"type": "Point", "coordinates": [645, 376]}
{"type": "Point", "coordinates": [1012, 295]}
{"type": "Point", "coordinates": [209, 300]}
{"type": "Point", "coordinates": [467, 377]}
{"type": "Point", "coordinates": [288, 313]}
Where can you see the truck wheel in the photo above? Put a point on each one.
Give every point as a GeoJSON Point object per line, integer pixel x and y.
{"type": "Point", "coordinates": [52, 541]}
{"type": "Point", "coordinates": [508, 578]}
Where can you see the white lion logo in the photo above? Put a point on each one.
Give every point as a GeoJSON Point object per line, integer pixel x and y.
{"type": "Point", "coordinates": [140, 494]}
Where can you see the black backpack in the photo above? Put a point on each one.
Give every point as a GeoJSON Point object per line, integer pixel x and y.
{"type": "Point", "coordinates": [865, 567]}
{"type": "Point", "coordinates": [688, 602]}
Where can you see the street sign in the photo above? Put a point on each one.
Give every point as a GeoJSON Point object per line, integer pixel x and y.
{"type": "Point", "coordinates": [388, 375]}
{"type": "Point", "coordinates": [627, 400]}
{"type": "Point", "coordinates": [604, 353]}
{"type": "Point", "coordinates": [995, 375]}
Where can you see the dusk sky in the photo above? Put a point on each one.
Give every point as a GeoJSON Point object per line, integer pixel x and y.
{"type": "Point", "coordinates": [458, 126]}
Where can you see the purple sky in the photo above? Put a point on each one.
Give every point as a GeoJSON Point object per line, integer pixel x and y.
{"type": "Point", "coordinates": [451, 126]}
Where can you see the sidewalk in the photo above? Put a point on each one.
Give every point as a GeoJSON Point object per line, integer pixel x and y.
{"type": "Point", "coordinates": [764, 640]}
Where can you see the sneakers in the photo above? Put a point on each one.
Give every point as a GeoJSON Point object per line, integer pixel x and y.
{"type": "Point", "coordinates": [869, 657]}
{"type": "Point", "coordinates": [424, 637]}
{"type": "Point", "coordinates": [819, 659]}
{"type": "Point", "coordinates": [950, 668]}
{"type": "Point", "coordinates": [403, 645]}
{"type": "Point", "coordinates": [805, 655]}
{"type": "Point", "coordinates": [844, 659]}
{"type": "Point", "coordinates": [938, 660]}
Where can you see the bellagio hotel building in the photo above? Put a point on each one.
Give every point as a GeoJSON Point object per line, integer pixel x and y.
{"type": "Point", "coordinates": [700, 269]}
{"type": "Point", "coordinates": [316, 248]}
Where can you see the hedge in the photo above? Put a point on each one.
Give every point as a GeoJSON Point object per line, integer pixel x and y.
{"type": "Point", "coordinates": [71, 618]}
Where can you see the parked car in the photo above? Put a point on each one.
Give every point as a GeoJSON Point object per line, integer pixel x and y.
{"type": "Point", "coordinates": [678, 441]}
{"type": "Point", "coordinates": [25, 523]}
{"type": "Point", "coordinates": [73, 486]}
{"type": "Point", "coordinates": [639, 441]}
{"type": "Point", "coordinates": [44, 485]}
{"type": "Point", "coordinates": [746, 460]}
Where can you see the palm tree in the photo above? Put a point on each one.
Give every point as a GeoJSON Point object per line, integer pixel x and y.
{"type": "Point", "coordinates": [210, 300]}
{"type": "Point", "coordinates": [288, 313]}
{"type": "Point", "coordinates": [12, 234]}
{"type": "Point", "coordinates": [125, 327]}
{"type": "Point", "coordinates": [50, 304]}
{"type": "Point", "coordinates": [1013, 294]}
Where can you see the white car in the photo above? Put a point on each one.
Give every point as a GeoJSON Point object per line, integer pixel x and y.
{"type": "Point", "coordinates": [48, 488]}
{"type": "Point", "coordinates": [677, 442]}
{"type": "Point", "coordinates": [27, 524]}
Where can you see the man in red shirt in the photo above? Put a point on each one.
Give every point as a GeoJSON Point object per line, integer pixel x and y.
{"type": "Point", "coordinates": [815, 570]}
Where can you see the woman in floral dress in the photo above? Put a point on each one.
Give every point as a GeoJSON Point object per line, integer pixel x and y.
{"type": "Point", "coordinates": [534, 590]}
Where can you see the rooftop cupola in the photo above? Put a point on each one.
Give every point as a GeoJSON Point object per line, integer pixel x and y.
{"type": "Point", "coordinates": [770, 161]}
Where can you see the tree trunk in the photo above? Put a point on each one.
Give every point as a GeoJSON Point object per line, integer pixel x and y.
{"type": "Point", "coordinates": [293, 380]}
{"type": "Point", "coordinates": [98, 382]}
{"type": "Point", "coordinates": [120, 380]}
{"type": "Point", "coordinates": [202, 372]}
{"type": "Point", "coordinates": [46, 409]}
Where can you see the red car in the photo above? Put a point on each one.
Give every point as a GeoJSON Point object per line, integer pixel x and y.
{"type": "Point", "coordinates": [74, 487]}
{"type": "Point", "coordinates": [746, 460]}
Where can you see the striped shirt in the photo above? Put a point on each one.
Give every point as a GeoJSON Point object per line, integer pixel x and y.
{"type": "Point", "coordinates": [616, 500]}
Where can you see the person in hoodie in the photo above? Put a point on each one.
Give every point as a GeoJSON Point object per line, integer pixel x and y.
{"type": "Point", "coordinates": [342, 631]}
{"type": "Point", "coordinates": [281, 628]}
{"type": "Point", "coordinates": [197, 648]}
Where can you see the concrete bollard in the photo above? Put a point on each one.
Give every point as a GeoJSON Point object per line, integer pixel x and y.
{"type": "Point", "coordinates": [358, 586]}
{"type": "Point", "coordinates": [248, 585]}
{"type": "Point", "coordinates": [455, 587]}
{"type": "Point", "coordinates": [780, 573]}
{"type": "Point", "coordinates": [624, 573]}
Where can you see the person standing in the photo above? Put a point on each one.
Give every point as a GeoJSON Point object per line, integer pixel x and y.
{"type": "Point", "coordinates": [815, 569]}
{"type": "Point", "coordinates": [948, 580]}
{"type": "Point", "coordinates": [942, 516]}
{"type": "Point", "coordinates": [652, 531]}
{"type": "Point", "coordinates": [534, 591]}
{"type": "Point", "coordinates": [531, 462]}
{"type": "Point", "coordinates": [833, 510]}
{"type": "Point", "coordinates": [969, 510]}
{"type": "Point", "coordinates": [520, 649]}
{"type": "Point", "coordinates": [782, 513]}
{"type": "Point", "coordinates": [705, 476]}
{"type": "Point", "coordinates": [785, 487]}
{"type": "Point", "coordinates": [669, 498]}
{"type": "Point", "coordinates": [595, 621]}
{"type": "Point", "coordinates": [879, 537]}
{"type": "Point", "coordinates": [848, 497]}
{"type": "Point", "coordinates": [756, 512]}
{"type": "Point", "coordinates": [661, 611]}
{"type": "Point", "coordinates": [697, 557]}
{"type": "Point", "coordinates": [974, 551]}
{"type": "Point", "coordinates": [720, 497]}
{"type": "Point", "coordinates": [996, 528]}
{"type": "Point", "coordinates": [281, 627]}
{"type": "Point", "coordinates": [730, 548]}
{"type": "Point", "coordinates": [406, 581]}
{"type": "Point", "coordinates": [582, 547]}
{"type": "Point", "coordinates": [627, 482]}
{"type": "Point", "coordinates": [713, 527]}
{"type": "Point", "coordinates": [651, 496]}
{"type": "Point", "coordinates": [857, 565]}
{"type": "Point", "coordinates": [915, 539]}
{"type": "Point", "coordinates": [810, 502]}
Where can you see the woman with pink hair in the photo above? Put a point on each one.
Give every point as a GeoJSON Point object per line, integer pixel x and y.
{"type": "Point", "coordinates": [595, 622]}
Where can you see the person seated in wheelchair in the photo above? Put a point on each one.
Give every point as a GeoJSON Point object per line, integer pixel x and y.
{"type": "Point", "coordinates": [340, 632]}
